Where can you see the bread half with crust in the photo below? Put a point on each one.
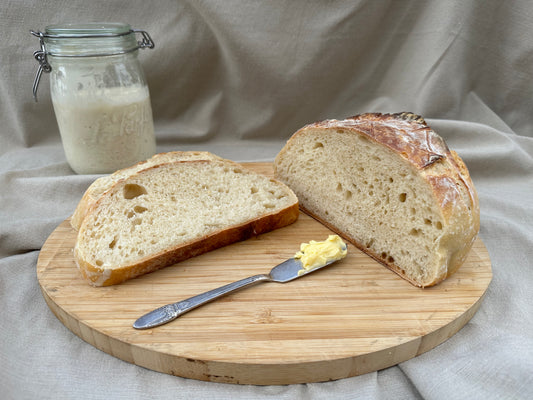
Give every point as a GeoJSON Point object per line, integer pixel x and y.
{"type": "Point", "coordinates": [173, 211]}
{"type": "Point", "coordinates": [390, 185]}
{"type": "Point", "coordinates": [100, 185]}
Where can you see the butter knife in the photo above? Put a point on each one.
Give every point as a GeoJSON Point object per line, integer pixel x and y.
{"type": "Point", "coordinates": [285, 272]}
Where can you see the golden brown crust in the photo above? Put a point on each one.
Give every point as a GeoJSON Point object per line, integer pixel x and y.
{"type": "Point", "coordinates": [409, 136]}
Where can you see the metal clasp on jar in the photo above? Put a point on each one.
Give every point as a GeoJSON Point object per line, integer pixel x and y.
{"type": "Point", "coordinates": [40, 56]}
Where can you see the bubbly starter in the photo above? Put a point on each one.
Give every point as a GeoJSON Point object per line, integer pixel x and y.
{"type": "Point", "coordinates": [106, 129]}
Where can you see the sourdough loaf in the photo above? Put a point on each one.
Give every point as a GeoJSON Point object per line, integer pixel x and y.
{"type": "Point", "coordinates": [100, 185]}
{"type": "Point", "coordinates": [390, 185]}
{"type": "Point", "coordinates": [172, 211]}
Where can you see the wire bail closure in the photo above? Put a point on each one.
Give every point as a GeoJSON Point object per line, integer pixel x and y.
{"type": "Point", "coordinates": [42, 59]}
{"type": "Point", "coordinates": [40, 56]}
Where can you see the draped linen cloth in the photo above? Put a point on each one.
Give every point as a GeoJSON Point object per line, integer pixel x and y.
{"type": "Point", "coordinates": [237, 78]}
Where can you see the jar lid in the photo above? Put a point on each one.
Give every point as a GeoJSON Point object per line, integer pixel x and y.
{"type": "Point", "coordinates": [89, 40]}
{"type": "Point", "coordinates": [91, 29]}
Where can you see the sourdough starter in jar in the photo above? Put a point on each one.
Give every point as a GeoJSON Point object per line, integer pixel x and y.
{"type": "Point", "coordinates": [108, 131]}
{"type": "Point", "coordinates": [99, 93]}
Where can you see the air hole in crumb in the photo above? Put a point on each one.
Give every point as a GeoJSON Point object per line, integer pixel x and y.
{"type": "Point", "coordinates": [383, 255]}
{"type": "Point", "coordinates": [390, 259]}
{"type": "Point", "coordinates": [439, 225]}
{"type": "Point", "coordinates": [137, 221]}
{"type": "Point", "coordinates": [318, 145]}
{"type": "Point", "coordinates": [414, 232]}
{"type": "Point", "coordinates": [139, 209]}
{"type": "Point", "coordinates": [427, 221]}
{"type": "Point", "coordinates": [113, 243]}
{"type": "Point", "coordinates": [132, 190]}
{"type": "Point", "coordinates": [339, 187]}
{"type": "Point", "coordinates": [348, 195]}
{"type": "Point", "coordinates": [99, 263]}
{"type": "Point", "coordinates": [237, 170]}
{"type": "Point", "coordinates": [268, 205]}
{"type": "Point", "coordinates": [340, 131]}
{"type": "Point", "coordinates": [254, 190]}
{"type": "Point", "coordinates": [402, 197]}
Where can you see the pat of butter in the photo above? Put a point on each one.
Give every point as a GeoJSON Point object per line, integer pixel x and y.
{"type": "Point", "coordinates": [317, 254]}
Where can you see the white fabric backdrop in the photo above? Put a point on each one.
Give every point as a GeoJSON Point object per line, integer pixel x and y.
{"type": "Point", "coordinates": [238, 78]}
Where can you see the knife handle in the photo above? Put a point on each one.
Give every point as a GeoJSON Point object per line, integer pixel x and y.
{"type": "Point", "coordinates": [202, 298]}
{"type": "Point", "coordinates": [172, 311]}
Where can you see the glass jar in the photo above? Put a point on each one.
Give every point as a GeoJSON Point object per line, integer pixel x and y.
{"type": "Point", "coordinates": [99, 94]}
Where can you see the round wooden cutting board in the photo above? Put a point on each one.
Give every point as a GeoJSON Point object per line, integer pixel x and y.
{"type": "Point", "coordinates": [351, 318]}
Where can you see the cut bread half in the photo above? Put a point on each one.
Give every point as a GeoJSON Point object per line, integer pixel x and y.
{"type": "Point", "coordinates": [390, 185]}
{"type": "Point", "coordinates": [173, 211]}
{"type": "Point", "coordinates": [100, 185]}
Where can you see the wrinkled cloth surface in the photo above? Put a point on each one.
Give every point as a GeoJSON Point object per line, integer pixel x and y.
{"type": "Point", "coordinates": [237, 79]}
